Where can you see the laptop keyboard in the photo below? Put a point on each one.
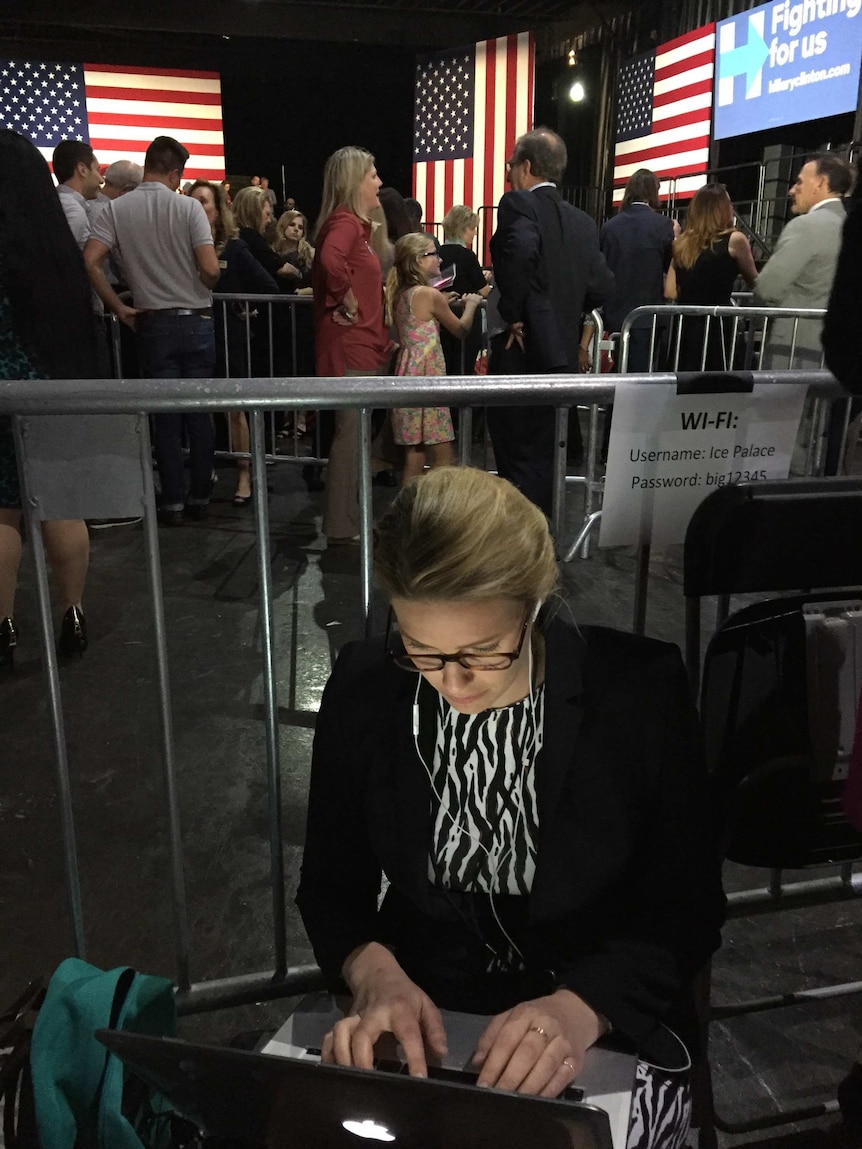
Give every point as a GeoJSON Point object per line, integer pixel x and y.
{"type": "Point", "coordinates": [459, 1076]}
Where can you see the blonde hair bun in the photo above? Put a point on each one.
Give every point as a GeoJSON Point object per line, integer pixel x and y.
{"type": "Point", "coordinates": [459, 533]}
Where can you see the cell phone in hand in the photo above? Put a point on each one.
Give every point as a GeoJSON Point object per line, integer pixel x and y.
{"type": "Point", "coordinates": [445, 279]}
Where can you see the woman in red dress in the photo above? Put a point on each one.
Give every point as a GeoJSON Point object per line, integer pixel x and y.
{"type": "Point", "coordinates": [349, 332]}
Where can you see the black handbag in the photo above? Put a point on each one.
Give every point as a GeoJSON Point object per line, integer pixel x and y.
{"type": "Point", "coordinates": [16, 1085]}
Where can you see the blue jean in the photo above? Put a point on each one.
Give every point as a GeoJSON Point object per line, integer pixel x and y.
{"type": "Point", "coordinates": [180, 347]}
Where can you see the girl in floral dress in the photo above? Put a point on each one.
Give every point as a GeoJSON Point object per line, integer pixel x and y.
{"type": "Point", "coordinates": [417, 309]}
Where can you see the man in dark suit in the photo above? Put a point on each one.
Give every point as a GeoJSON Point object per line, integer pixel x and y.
{"type": "Point", "coordinates": [637, 245]}
{"type": "Point", "coordinates": [548, 268]}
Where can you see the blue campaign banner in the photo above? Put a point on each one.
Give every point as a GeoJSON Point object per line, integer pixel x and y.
{"type": "Point", "coordinates": [784, 63]}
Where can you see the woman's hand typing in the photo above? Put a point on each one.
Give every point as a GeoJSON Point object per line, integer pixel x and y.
{"type": "Point", "coordinates": [539, 1046]}
{"type": "Point", "coordinates": [385, 1000]}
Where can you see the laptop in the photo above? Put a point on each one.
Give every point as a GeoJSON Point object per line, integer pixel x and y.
{"type": "Point", "coordinates": [606, 1082]}
{"type": "Point", "coordinates": [257, 1101]}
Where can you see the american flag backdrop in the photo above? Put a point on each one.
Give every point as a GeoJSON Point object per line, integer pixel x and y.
{"type": "Point", "coordinates": [664, 109]}
{"type": "Point", "coordinates": [118, 110]}
{"type": "Point", "coordinates": [470, 106]}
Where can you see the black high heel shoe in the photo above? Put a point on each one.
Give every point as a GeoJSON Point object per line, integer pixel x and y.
{"type": "Point", "coordinates": [8, 642]}
{"type": "Point", "coordinates": [73, 633]}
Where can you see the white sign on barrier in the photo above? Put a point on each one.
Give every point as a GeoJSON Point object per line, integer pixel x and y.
{"type": "Point", "coordinates": [668, 451]}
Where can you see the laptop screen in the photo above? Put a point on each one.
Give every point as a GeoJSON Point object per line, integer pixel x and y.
{"type": "Point", "coordinates": [280, 1103]}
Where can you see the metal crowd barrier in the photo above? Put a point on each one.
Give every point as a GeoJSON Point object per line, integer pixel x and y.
{"type": "Point", "coordinates": [746, 324]}
{"type": "Point", "coordinates": [253, 308]}
{"type": "Point", "coordinates": [593, 483]}
{"type": "Point", "coordinates": [742, 325]}
{"type": "Point", "coordinates": [58, 461]}
{"type": "Point", "coordinates": [745, 328]}
{"type": "Point", "coordinates": [260, 316]}
{"type": "Point", "coordinates": [248, 309]}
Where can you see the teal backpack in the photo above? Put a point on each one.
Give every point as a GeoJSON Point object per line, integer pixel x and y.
{"type": "Point", "coordinates": [78, 1086]}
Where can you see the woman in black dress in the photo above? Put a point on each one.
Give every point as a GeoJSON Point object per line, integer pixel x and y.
{"type": "Point", "coordinates": [708, 257]}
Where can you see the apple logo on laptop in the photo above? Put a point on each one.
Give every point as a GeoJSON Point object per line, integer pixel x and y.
{"type": "Point", "coordinates": [368, 1129]}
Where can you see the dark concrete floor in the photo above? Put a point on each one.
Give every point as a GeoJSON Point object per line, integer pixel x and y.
{"type": "Point", "coordinates": [771, 1060]}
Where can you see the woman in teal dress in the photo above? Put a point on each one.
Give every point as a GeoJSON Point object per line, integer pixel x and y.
{"type": "Point", "coordinates": [46, 330]}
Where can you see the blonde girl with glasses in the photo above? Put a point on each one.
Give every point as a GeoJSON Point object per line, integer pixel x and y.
{"type": "Point", "coordinates": [417, 310]}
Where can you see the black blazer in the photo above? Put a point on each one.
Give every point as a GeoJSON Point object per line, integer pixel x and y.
{"type": "Point", "coordinates": [637, 246]}
{"type": "Point", "coordinates": [468, 270]}
{"type": "Point", "coordinates": [269, 260]}
{"type": "Point", "coordinates": [468, 277]}
{"type": "Point", "coordinates": [549, 269]}
{"type": "Point", "coordinates": [626, 904]}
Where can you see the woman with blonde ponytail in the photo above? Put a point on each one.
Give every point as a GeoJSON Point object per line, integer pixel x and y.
{"type": "Point", "coordinates": [417, 310]}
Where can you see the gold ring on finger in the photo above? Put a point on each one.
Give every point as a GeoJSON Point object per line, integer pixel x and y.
{"type": "Point", "coordinates": [538, 1029]}
{"type": "Point", "coordinates": [570, 1065]}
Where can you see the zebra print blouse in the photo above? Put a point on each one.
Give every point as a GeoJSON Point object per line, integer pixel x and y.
{"type": "Point", "coordinates": [486, 820]}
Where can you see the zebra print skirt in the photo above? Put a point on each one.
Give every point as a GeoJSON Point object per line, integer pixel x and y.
{"type": "Point", "coordinates": [661, 1109]}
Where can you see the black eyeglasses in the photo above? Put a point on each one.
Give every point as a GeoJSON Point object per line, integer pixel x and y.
{"type": "Point", "coordinates": [497, 660]}
{"type": "Point", "coordinates": [426, 254]}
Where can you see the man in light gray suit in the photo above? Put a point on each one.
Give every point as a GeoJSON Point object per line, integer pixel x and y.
{"type": "Point", "coordinates": [800, 271]}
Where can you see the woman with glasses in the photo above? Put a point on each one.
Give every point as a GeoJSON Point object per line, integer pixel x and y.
{"type": "Point", "coordinates": [532, 792]}
{"type": "Point", "coordinates": [418, 312]}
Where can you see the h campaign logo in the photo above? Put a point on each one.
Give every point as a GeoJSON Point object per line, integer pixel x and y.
{"type": "Point", "coordinates": [744, 59]}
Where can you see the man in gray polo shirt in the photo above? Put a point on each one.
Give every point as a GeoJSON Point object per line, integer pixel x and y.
{"type": "Point", "coordinates": [165, 243]}
{"type": "Point", "coordinates": [79, 180]}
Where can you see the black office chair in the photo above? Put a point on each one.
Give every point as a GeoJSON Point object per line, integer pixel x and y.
{"type": "Point", "coordinates": [781, 683]}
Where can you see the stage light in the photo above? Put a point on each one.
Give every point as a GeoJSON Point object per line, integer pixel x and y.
{"type": "Point", "coordinates": [577, 92]}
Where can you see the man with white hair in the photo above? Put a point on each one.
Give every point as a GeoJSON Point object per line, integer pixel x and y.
{"type": "Point", "coordinates": [120, 177]}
